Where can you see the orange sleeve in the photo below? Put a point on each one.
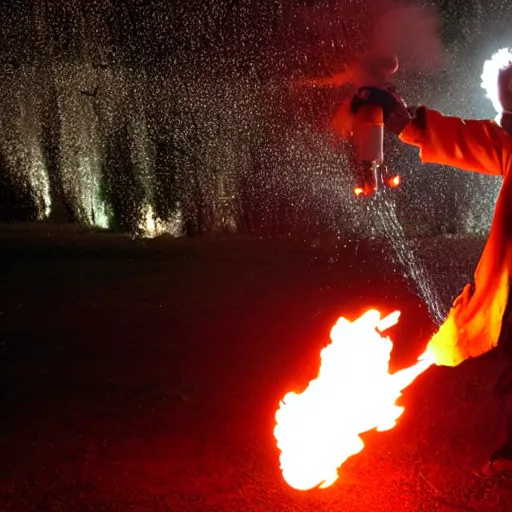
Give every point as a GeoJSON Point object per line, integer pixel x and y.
{"type": "Point", "coordinates": [470, 145]}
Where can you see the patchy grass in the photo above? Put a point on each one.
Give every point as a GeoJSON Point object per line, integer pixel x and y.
{"type": "Point", "coordinates": [144, 376]}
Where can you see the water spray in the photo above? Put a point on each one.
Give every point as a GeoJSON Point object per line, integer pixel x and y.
{"type": "Point", "coordinates": [372, 175]}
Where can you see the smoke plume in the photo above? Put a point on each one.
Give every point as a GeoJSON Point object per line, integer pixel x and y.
{"type": "Point", "coordinates": [410, 32]}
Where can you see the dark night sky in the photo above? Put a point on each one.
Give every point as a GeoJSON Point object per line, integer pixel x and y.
{"type": "Point", "coordinates": [212, 33]}
{"type": "Point", "coordinates": [89, 80]}
{"type": "Point", "coordinates": [243, 38]}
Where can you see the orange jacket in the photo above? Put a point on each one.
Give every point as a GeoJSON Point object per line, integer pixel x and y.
{"type": "Point", "coordinates": [474, 321]}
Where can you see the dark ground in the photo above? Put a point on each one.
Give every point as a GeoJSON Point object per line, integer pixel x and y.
{"type": "Point", "coordinates": [144, 376]}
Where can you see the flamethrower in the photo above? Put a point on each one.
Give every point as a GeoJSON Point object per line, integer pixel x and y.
{"type": "Point", "coordinates": [372, 174]}
{"type": "Point", "coordinates": [365, 128]}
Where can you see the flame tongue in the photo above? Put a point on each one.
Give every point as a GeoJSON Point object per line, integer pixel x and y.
{"type": "Point", "coordinates": [319, 429]}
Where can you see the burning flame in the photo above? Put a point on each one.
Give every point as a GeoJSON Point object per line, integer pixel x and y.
{"type": "Point", "coordinates": [499, 60]}
{"type": "Point", "coordinates": [395, 181]}
{"type": "Point", "coordinates": [319, 429]}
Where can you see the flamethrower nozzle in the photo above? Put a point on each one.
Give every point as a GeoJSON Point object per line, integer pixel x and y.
{"type": "Point", "coordinates": [372, 178]}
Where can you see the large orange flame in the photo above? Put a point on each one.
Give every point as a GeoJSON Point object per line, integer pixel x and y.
{"type": "Point", "coordinates": [319, 429]}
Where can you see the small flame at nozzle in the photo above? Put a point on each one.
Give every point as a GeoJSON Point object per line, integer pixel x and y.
{"type": "Point", "coordinates": [372, 178]}
{"type": "Point", "coordinates": [395, 181]}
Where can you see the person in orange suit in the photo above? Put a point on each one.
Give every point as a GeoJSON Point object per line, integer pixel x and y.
{"type": "Point", "coordinates": [481, 316]}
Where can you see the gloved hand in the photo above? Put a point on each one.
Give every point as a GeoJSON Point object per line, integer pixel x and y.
{"type": "Point", "coordinates": [396, 115]}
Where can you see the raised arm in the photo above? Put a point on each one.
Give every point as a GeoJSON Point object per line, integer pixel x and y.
{"type": "Point", "coordinates": [481, 146]}
{"type": "Point", "coordinates": [471, 145]}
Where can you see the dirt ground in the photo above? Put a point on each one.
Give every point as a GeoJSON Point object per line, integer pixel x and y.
{"type": "Point", "coordinates": [145, 375]}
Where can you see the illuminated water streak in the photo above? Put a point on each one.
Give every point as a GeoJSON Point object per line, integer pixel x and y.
{"type": "Point", "coordinates": [151, 225]}
{"type": "Point", "coordinates": [38, 177]}
{"type": "Point", "coordinates": [386, 214]}
{"type": "Point", "coordinates": [80, 145]}
{"type": "Point", "coordinates": [20, 141]}
{"type": "Point", "coordinates": [81, 175]}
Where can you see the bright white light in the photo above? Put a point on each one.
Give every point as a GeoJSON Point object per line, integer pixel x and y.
{"type": "Point", "coordinates": [151, 226]}
{"type": "Point", "coordinates": [38, 177]}
{"type": "Point", "coordinates": [499, 60]}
